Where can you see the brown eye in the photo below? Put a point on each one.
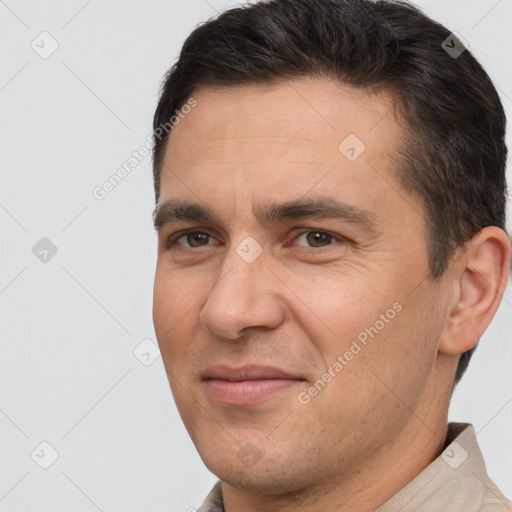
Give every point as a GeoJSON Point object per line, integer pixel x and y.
{"type": "Point", "coordinates": [192, 239]}
{"type": "Point", "coordinates": [316, 238]}
{"type": "Point", "coordinates": [197, 239]}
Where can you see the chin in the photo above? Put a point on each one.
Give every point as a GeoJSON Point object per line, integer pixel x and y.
{"type": "Point", "coordinates": [266, 477]}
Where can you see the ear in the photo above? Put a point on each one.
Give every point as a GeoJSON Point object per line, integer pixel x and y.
{"type": "Point", "coordinates": [482, 273]}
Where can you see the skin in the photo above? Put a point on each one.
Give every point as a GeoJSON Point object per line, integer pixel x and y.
{"type": "Point", "coordinates": [302, 302]}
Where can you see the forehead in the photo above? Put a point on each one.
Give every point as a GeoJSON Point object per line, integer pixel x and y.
{"type": "Point", "coordinates": [280, 141]}
{"type": "Point", "coordinates": [319, 112]}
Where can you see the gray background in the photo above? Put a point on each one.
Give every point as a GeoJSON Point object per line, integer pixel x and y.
{"type": "Point", "coordinates": [70, 324]}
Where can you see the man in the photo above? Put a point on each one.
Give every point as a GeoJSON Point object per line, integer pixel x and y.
{"type": "Point", "coordinates": [331, 213]}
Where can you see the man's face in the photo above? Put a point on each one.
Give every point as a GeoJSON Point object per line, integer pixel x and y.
{"type": "Point", "coordinates": [297, 343]}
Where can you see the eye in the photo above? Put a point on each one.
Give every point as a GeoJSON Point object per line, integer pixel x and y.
{"type": "Point", "coordinates": [191, 239]}
{"type": "Point", "coordinates": [317, 239]}
{"type": "Point", "coordinates": [195, 239]}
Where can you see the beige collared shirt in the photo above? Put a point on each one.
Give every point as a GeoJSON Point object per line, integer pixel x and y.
{"type": "Point", "coordinates": [456, 481]}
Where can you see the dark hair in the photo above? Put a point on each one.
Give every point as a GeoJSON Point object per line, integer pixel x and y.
{"type": "Point", "coordinates": [453, 156]}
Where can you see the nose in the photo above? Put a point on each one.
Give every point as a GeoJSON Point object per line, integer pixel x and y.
{"type": "Point", "coordinates": [245, 296]}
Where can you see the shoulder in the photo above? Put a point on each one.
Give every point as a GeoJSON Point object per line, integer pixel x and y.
{"type": "Point", "coordinates": [494, 500]}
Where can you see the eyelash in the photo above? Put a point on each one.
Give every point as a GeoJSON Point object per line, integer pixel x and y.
{"type": "Point", "coordinates": [172, 240]}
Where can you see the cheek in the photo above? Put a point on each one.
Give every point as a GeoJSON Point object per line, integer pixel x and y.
{"type": "Point", "coordinates": [334, 308]}
{"type": "Point", "coordinates": [163, 305]}
{"type": "Point", "coordinates": [387, 357]}
{"type": "Point", "coordinates": [375, 326]}
{"type": "Point", "coordinates": [173, 316]}
{"type": "Point", "coordinates": [174, 322]}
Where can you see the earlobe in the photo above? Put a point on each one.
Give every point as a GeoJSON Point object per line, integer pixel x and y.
{"type": "Point", "coordinates": [483, 270]}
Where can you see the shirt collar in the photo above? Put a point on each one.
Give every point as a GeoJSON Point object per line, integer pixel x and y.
{"type": "Point", "coordinates": [456, 480]}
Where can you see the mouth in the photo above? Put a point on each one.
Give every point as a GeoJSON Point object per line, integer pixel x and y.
{"type": "Point", "coordinates": [247, 385]}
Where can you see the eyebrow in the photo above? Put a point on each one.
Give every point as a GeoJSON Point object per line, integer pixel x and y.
{"type": "Point", "coordinates": [270, 213]}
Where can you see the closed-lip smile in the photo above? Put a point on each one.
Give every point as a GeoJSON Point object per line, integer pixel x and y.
{"type": "Point", "coordinates": [246, 385]}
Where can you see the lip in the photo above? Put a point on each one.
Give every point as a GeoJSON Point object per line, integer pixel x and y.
{"type": "Point", "coordinates": [247, 385]}
{"type": "Point", "coordinates": [250, 372]}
